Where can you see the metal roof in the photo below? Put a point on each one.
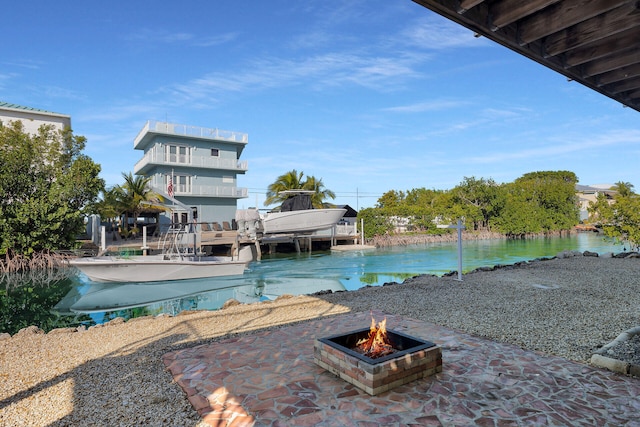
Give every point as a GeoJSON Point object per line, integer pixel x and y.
{"type": "Point", "coordinates": [10, 106]}
{"type": "Point", "coordinates": [593, 42]}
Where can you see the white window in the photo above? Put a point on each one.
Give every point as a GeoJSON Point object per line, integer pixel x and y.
{"type": "Point", "coordinates": [227, 179]}
{"type": "Point", "coordinates": [178, 154]}
{"type": "Point", "coordinates": [181, 184]}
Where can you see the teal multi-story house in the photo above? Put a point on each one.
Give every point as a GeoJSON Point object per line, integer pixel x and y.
{"type": "Point", "coordinates": [196, 166]}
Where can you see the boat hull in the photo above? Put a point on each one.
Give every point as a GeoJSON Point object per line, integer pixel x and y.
{"type": "Point", "coordinates": [156, 268]}
{"type": "Point", "coordinates": [301, 221]}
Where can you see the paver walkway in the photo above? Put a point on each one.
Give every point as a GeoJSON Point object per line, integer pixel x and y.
{"type": "Point", "coordinates": [269, 379]}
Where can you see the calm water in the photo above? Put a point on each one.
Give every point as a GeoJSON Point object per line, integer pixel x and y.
{"type": "Point", "coordinates": [81, 301]}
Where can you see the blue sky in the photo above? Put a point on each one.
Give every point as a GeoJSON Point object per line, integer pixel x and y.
{"type": "Point", "coordinates": [368, 95]}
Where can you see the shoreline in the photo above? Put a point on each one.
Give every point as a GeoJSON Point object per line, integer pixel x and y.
{"type": "Point", "coordinates": [113, 373]}
{"type": "Point", "coordinates": [389, 240]}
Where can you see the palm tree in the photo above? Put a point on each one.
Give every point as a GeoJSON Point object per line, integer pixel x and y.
{"type": "Point", "coordinates": [108, 206]}
{"type": "Point", "coordinates": [292, 180]}
{"type": "Point", "coordinates": [320, 193]}
{"type": "Point", "coordinates": [133, 194]}
{"type": "Point", "coordinates": [624, 189]}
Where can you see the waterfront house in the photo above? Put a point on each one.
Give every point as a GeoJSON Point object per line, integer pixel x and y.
{"type": "Point", "coordinates": [350, 217]}
{"type": "Point", "coordinates": [32, 118]}
{"type": "Point", "coordinates": [588, 194]}
{"type": "Point", "coordinates": [197, 166]}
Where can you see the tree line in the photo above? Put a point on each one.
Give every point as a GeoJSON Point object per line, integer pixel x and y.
{"type": "Point", "coordinates": [535, 203]}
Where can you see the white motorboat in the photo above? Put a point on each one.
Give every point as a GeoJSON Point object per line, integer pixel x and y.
{"type": "Point", "coordinates": [297, 215]}
{"type": "Point", "coordinates": [179, 260]}
{"type": "Point", "coordinates": [154, 268]}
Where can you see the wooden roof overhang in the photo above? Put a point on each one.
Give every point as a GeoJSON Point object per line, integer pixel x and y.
{"type": "Point", "coordinates": [593, 42]}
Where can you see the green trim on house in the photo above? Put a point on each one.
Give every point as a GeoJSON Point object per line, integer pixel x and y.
{"type": "Point", "coordinates": [10, 106]}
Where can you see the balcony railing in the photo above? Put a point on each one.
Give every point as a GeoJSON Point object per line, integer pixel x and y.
{"type": "Point", "coordinates": [192, 131]}
{"type": "Point", "coordinates": [203, 190]}
{"type": "Point", "coordinates": [157, 157]}
{"type": "Point", "coordinates": [216, 191]}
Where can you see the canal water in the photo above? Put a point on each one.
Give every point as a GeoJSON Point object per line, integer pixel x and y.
{"type": "Point", "coordinates": [77, 300]}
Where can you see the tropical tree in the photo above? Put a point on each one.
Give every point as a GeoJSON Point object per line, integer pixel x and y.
{"type": "Point", "coordinates": [320, 193]}
{"type": "Point", "coordinates": [108, 206]}
{"type": "Point", "coordinates": [293, 180]}
{"type": "Point", "coordinates": [133, 194]}
{"type": "Point", "coordinates": [539, 202]}
{"type": "Point", "coordinates": [392, 202]}
{"type": "Point", "coordinates": [376, 223]}
{"type": "Point", "coordinates": [482, 199]}
{"type": "Point", "coordinates": [521, 214]}
{"type": "Point", "coordinates": [46, 183]}
{"type": "Point", "coordinates": [621, 218]}
{"type": "Point", "coordinates": [624, 189]}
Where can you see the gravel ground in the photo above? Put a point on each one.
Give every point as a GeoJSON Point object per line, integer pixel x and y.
{"type": "Point", "coordinates": [113, 374]}
{"type": "Point", "coordinates": [567, 307]}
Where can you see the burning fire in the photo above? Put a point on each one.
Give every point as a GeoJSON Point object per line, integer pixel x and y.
{"type": "Point", "coordinates": [377, 344]}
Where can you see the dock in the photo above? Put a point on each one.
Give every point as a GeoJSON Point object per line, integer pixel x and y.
{"type": "Point", "coordinates": [223, 242]}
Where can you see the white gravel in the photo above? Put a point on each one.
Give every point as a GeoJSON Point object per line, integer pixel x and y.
{"type": "Point", "coordinates": [113, 375]}
{"type": "Point", "coordinates": [567, 307]}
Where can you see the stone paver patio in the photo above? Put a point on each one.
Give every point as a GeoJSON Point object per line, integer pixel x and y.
{"type": "Point", "coordinates": [269, 379]}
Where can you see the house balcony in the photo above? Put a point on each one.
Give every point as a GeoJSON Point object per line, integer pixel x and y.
{"type": "Point", "coordinates": [205, 191]}
{"type": "Point", "coordinates": [153, 158]}
{"type": "Point", "coordinates": [152, 127]}
{"type": "Point", "coordinates": [214, 191]}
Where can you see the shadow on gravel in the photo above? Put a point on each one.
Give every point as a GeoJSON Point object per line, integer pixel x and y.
{"type": "Point", "coordinates": [130, 385]}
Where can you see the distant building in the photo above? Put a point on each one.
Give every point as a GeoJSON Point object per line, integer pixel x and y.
{"type": "Point", "coordinates": [588, 194]}
{"type": "Point", "coordinates": [32, 118]}
{"type": "Point", "coordinates": [198, 165]}
{"type": "Point", "coordinates": [350, 217]}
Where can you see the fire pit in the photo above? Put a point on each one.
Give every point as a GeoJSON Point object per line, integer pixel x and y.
{"type": "Point", "coordinates": [377, 360]}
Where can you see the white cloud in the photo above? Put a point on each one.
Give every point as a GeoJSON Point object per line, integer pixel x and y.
{"type": "Point", "coordinates": [317, 72]}
{"type": "Point", "coordinates": [434, 32]}
{"type": "Point", "coordinates": [148, 35]}
{"type": "Point", "coordinates": [159, 36]}
{"type": "Point", "coordinates": [218, 39]}
{"type": "Point", "coordinates": [433, 105]}
{"type": "Point", "coordinates": [561, 146]}
{"type": "Point", "coordinates": [24, 63]}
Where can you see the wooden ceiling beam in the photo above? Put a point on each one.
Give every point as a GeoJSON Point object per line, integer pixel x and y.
{"type": "Point", "coordinates": [602, 48]}
{"type": "Point", "coordinates": [561, 16]}
{"type": "Point", "coordinates": [468, 4]}
{"type": "Point", "coordinates": [626, 59]}
{"type": "Point", "coordinates": [597, 28]}
{"type": "Point", "coordinates": [618, 75]}
{"type": "Point", "coordinates": [507, 12]}
{"type": "Point", "coordinates": [625, 86]}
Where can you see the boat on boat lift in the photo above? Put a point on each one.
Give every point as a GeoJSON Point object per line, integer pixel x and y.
{"type": "Point", "coordinates": [297, 215]}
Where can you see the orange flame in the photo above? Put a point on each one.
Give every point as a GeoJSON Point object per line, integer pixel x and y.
{"type": "Point", "coordinates": [377, 343]}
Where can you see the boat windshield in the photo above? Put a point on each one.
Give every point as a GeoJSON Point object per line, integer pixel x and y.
{"type": "Point", "coordinates": [298, 202]}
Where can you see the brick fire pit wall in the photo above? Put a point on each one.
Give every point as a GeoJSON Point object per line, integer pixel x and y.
{"type": "Point", "coordinates": [379, 377]}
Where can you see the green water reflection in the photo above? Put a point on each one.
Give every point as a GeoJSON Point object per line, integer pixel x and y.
{"type": "Point", "coordinates": [58, 301]}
